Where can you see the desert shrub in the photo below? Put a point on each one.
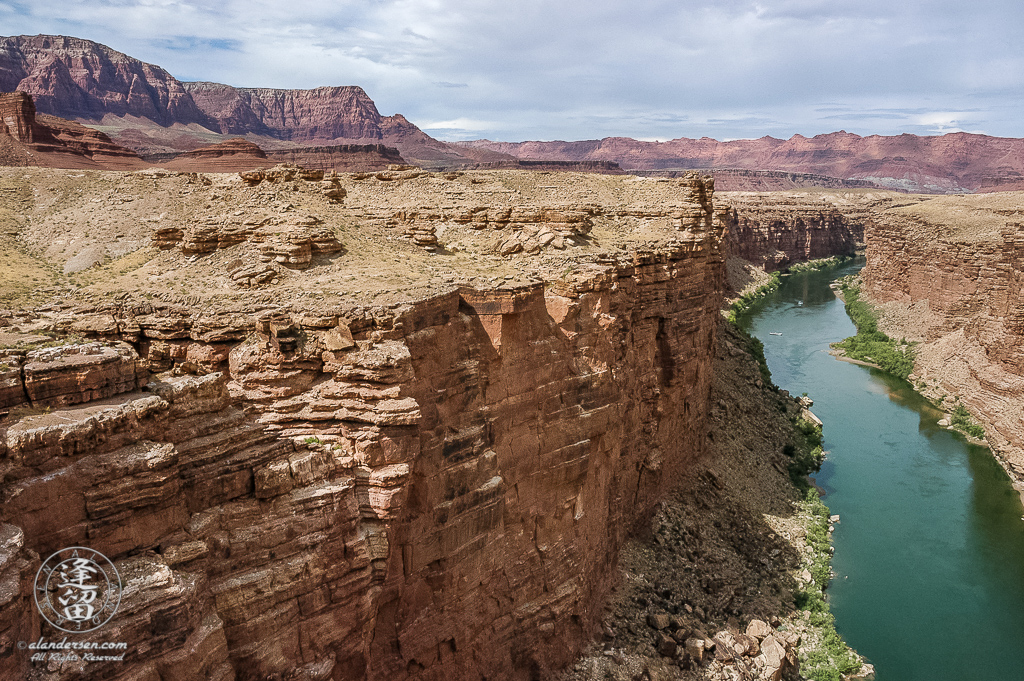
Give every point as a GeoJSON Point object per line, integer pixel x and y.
{"type": "Point", "coordinates": [962, 419]}
{"type": "Point", "coordinates": [870, 344]}
{"type": "Point", "coordinates": [750, 297]}
{"type": "Point", "coordinates": [831, 659]}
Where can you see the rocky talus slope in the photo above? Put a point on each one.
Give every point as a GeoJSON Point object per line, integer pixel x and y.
{"type": "Point", "coordinates": [706, 589]}
{"type": "Point", "coordinates": [950, 273]}
{"type": "Point", "coordinates": [413, 451]}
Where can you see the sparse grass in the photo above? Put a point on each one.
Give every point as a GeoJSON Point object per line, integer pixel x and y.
{"type": "Point", "coordinates": [747, 299]}
{"type": "Point", "coordinates": [818, 265]}
{"type": "Point", "coordinates": [756, 349]}
{"type": "Point", "coordinates": [962, 420]}
{"type": "Point", "coordinates": [805, 453]}
{"type": "Point", "coordinates": [25, 410]}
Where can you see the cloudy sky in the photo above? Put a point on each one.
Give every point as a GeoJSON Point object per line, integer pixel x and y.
{"type": "Point", "coordinates": [583, 69]}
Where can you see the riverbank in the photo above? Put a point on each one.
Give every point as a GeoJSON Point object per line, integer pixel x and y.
{"type": "Point", "coordinates": [710, 590]}
{"type": "Point", "coordinates": [948, 273]}
{"type": "Point", "coordinates": [900, 361]}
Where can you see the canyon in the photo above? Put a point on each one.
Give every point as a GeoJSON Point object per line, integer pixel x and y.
{"type": "Point", "coordinates": [400, 423]}
{"type": "Point", "coordinates": [343, 401]}
{"type": "Point", "coordinates": [373, 425]}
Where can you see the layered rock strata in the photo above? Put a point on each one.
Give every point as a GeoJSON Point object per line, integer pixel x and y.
{"type": "Point", "coordinates": [434, 489]}
{"type": "Point", "coordinates": [776, 230]}
{"type": "Point", "coordinates": [951, 274]}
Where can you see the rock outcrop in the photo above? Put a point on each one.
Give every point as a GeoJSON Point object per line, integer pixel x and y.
{"type": "Point", "coordinates": [432, 489]}
{"type": "Point", "coordinates": [950, 273]}
{"type": "Point", "coordinates": [342, 158]}
{"type": "Point", "coordinates": [30, 140]}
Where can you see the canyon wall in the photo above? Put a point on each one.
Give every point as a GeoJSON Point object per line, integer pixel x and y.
{"type": "Point", "coordinates": [435, 489]}
{"type": "Point", "coordinates": [778, 229]}
{"type": "Point", "coordinates": [950, 273]}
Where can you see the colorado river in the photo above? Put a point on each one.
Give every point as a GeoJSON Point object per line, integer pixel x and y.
{"type": "Point", "coordinates": [929, 553]}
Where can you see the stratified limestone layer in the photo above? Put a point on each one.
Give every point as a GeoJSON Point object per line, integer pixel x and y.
{"type": "Point", "coordinates": [434, 490]}
{"type": "Point", "coordinates": [951, 273]}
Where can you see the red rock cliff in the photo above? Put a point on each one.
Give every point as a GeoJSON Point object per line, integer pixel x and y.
{"type": "Point", "coordinates": [777, 229]}
{"type": "Point", "coordinates": [30, 140]}
{"type": "Point", "coordinates": [480, 457]}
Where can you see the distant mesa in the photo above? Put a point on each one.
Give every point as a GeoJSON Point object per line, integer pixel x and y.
{"type": "Point", "coordinates": [152, 112]}
{"type": "Point", "coordinates": [953, 163]}
{"type": "Point", "coordinates": [147, 110]}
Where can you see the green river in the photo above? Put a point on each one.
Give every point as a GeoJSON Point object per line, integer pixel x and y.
{"type": "Point", "coordinates": [929, 552]}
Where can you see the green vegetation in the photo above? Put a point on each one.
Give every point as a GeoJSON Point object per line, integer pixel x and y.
{"type": "Point", "coordinates": [818, 265]}
{"type": "Point", "coordinates": [311, 440]}
{"type": "Point", "coordinates": [962, 421]}
{"type": "Point", "coordinates": [755, 347]}
{"type": "Point", "coordinates": [829, 658]}
{"type": "Point", "coordinates": [748, 298]}
{"type": "Point", "coordinates": [805, 453]}
{"type": "Point", "coordinates": [870, 344]}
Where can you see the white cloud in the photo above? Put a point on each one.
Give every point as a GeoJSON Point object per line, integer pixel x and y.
{"type": "Point", "coordinates": [459, 124]}
{"type": "Point", "coordinates": [579, 69]}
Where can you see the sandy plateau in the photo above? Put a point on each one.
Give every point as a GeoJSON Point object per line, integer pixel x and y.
{"type": "Point", "coordinates": [403, 234]}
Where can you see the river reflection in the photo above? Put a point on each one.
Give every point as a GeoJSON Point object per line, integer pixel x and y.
{"type": "Point", "coordinates": [930, 549]}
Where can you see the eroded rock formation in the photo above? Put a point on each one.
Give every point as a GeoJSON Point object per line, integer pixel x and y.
{"type": "Point", "coordinates": [775, 230]}
{"type": "Point", "coordinates": [30, 140]}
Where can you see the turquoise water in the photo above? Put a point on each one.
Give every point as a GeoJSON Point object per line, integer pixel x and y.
{"type": "Point", "coordinates": [929, 553]}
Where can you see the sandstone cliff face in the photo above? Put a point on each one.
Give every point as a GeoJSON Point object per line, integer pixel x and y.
{"type": "Point", "coordinates": [951, 274]}
{"type": "Point", "coordinates": [775, 230]}
{"type": "Point", "coordinates": [431, 490]}
{"type": "Point", "coordinates": [75, 78]}
{"type": "Point", "coordinates": [321, 113]}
